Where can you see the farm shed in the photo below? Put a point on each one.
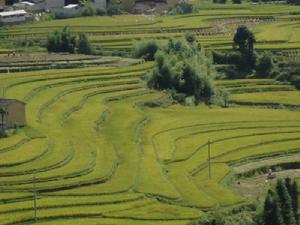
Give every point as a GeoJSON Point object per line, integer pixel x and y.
{"type": "Point", "coordinates": [16, 16]}
{"type": "Point", "coordinates": [15, 112]}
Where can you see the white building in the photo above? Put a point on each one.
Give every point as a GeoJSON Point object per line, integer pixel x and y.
{"type": "Point", "coordinates": [16, 16]}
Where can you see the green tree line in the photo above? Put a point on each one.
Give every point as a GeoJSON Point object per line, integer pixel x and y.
{"type": "Point", "coordinates": [66, 41]}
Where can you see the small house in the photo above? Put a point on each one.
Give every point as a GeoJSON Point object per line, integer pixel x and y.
{"type": "Point", "coordinates": [16, 16]}
{"type": "Point", "coordinates": [15, 115]}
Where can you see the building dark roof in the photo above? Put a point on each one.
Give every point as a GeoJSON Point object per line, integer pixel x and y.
{"type": "Point", "coordinates": [5, 101]}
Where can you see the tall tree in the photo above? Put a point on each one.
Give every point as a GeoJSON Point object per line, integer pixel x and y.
{"type": "Point", "coordinates": [244, 39]}
{"type": "Point", "coordinates": [272, 212]}
{"type": "Point", "coordinates": [285, 203]}
{"type": "Point", "coordinates": [292, 188]}
{"type": "Point", "coordinates": [84, 45]}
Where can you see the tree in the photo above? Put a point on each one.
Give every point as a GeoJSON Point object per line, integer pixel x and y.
{"type": "Point", "coordinates": [285, 203]}
{"type": "Point", "coordinates": [61, 41]}
{"type": "Point", "coordinates": [115, 8]}
{"type": "Point", "coordinates": [84, 45]}
{"type": "Point", "coordinates": [293, 191]}
{"type": "Point", "coordinates": [272, 212]}
{"type": "Point", "coordinates": [3, 113]}
{"type": "Point", "coordinates": [245, 40]}
{"type": "Point", "coordinates": [264, 66]}
{"type": "Point", "coordinates": [293, 2]}
{"type": "Point", "coordinates": [146, 49]}
{"type": "Point", "coordinates": [68, 40]}
{"type": "Point", "coordinates": [88, 8]}
{"type": "Point", "coordinates": [183, 70]}
{"type": "Point", "coordinates": [237, 1]}
{"type": "Point", "coordinates": [184, 7]}
{"type": "Point", "coordinates": [190, 37]}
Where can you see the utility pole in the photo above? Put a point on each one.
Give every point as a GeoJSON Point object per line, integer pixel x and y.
{"type": "Point", "coordinates": [34, 199]}
{"type": "Point", "coordinates": [209, 163]}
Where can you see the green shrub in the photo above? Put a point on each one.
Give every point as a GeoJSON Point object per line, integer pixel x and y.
{"type": "Point", "coordinates": [220, 1]}
{"type": "Point", "coordinates": [190, 37]}
{"type": "Point", "coordinates": [61, 41]}
{"type": "Point", "coordinates": [146, 49]}
{"type": "Point", "coordinates": [115, 9]}
{"type": "Point", "coordinates": [182, 69]}
{"type": "Point", "coordinates": [264, 66]}
{"type": "Point", "coordinates": [84, 46]}
{"type": "Point", "coordinates": [65, 41]}
{"type": "Point", "coordinates": [289, 72]}
{"type": "Point", "coordinates": [183, 7]}
{"type": "Point", "coordinates": [281, 205]}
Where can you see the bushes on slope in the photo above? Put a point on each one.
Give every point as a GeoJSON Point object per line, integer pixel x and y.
{"type": "Point", "coordinates": [183, 70]}
{"type": "Point", "coordinates": [66, 41]}
{"type": "Point", "coordinates": [146, 49]}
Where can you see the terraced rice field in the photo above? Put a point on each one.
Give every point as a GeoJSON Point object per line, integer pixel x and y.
{"type": "Point", "coordinates": [94, 153]}
{"type": "Point", "coordinates": [97, 155]}
{"type": "Point", "coordinates": [263, 92]}
{"type": "Point", "coordinates": [213, 24]}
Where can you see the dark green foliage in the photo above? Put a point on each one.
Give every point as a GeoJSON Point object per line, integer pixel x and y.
{"type": "Point", "coordinates": [285, 203]}
{"type": "Point", "coordinates": [146, 49]}
{"type": "Point", "coordinates": [183, 7]}
{"type": "Point", "coordinates": [220, 1]}
{"type": "Point", "coordinates": [281, 206]}
{"type": "Point", "coordinates": [264, 66]}
{"type": "Point", "coordinates": [242, 62]}
{"type": "Point", "coordinates": [180, 69]}
{"type": "Point", "coordinates": [241, 215]}
{"type": "Point", "coordinates": [237, 1]}
{"type": "Point", "coordinates": [293, 192]}
{"type": "Point", "coordinates": [293, 2]}
{"type": "Point", "coordinates": [65, 41]}
{"type": "Point", "coordinates": [244, 39]}
{"type": "Point", "coordinates": [3, 113]}
{"type": "Point", "coordinates": [190, 37]}
{"type": "Point", "coordinates": [115, 9]}
{"type": "Point", "coordinates": [272, 211]}
{"type": "Point", "coordinates": [290, 72]}
{"type": "Point", "coordinates": [88, 9]}
{"type": "Point", "coordinates": [84, 46]}
{"type": "Point", "coordinates": [295, 200]}
{"type": "Point", "coordinates": [61, 41]}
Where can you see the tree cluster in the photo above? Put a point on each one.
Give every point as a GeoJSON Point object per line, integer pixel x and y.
{"type": "Point", "coordinates": [293, 2]}
{"type": "Point", "coordinates": [281, 205]}
{"type": "Point", "coordinates": [146, 49]}
{"type": "Point", "coordinates": [289, 72]}
{"type": "Point", "coordinates": [245, 60]}
{"type": "Point", "coordinates": [183, 70]}
{"type": "Point", "coordinates": [66, 41]}
{"type": "Point", "coordinates": [183, 7]}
